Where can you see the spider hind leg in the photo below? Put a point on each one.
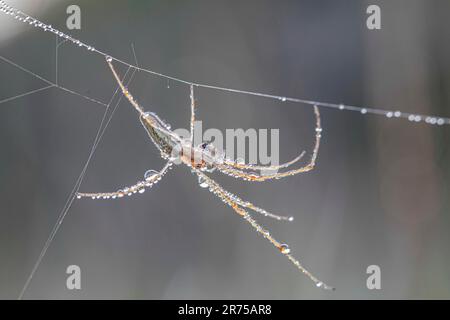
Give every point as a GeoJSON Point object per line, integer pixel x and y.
{"type": "Point", "coordinates": [229, 199]}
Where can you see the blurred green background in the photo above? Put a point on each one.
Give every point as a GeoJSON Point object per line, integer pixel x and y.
{"type": "Point", "coordinates": [379, 194]}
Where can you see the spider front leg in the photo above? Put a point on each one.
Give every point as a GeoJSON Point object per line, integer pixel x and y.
{"type": "Point", "coordinates": [125, 91]}
{"type": "Point", "coordinates": [234, 203]}
{"type": "Point", "coordinates": [151, 178]}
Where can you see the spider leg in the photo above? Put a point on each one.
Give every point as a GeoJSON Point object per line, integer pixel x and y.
{"type": "Point", "coordinates": [254, 176]}
{"type": "Point", "coordinates": [228, 198]}
{"type": "Point", "coordinates": [138, 187]}
{"type": "Point", "coordinates": [125, 91]}
{"type": "Point", "coordinates": [242, 203]}
{"type": "Point", "coordinates": [246, 166]}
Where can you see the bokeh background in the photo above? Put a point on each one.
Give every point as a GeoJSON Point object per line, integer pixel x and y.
{"type": "Point", "coordinates": [379, 194]}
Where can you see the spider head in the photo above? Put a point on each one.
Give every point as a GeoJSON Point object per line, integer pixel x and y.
{"type": "Point", "coordinates": [208, 149]}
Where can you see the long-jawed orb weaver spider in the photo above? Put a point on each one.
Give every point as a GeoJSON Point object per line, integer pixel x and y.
{"type": "Point", "coordinates": [205, 157]}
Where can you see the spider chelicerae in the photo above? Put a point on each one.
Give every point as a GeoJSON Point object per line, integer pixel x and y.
{"type": "Point", "coordinates": [205, 158]}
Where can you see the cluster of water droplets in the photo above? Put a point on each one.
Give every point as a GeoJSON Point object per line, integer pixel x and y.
{"type": "Point", "coordinates": [284, 249]}
{"type": "Point", "coordinates": [431, 120]}
{"type": "Point", "coordinates": [387, 113]}
{"type": "Point", "coordinates": [25, 18]}
{"type": "Point", "coordinates": [393, 114]}
{"type": "Point", "coordinates": [228, 197]}
{"type": "Point", "coordinates": [236, 174]}
{"type": "Point", "coordinates": [151, 177]}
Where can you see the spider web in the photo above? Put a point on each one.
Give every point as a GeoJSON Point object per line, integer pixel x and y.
{"type": "Point", "coordinates": [389, 113]}
{"type": "Point", "coordinates": [105, 121]}
{"type": "Point", "coordinates": [111, 106]}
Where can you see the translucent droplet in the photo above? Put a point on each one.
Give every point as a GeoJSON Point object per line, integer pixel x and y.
{"type": "Point", "coordinates": [210, 169]}
{"type": "Point", "coordinates": [78, 197]}
{"type": "Point", "coordinates": [150, 174]}
{"type": "Point", "coordinates": [202, 182]}
{"type": "Point", "coordinates": [291, 219]}
{"type": "Point", "coordinates": [109, 59]}
{"type": "Point", "coordinates": [284, 248]}
{"type": "Point", "coordinates": [319, 284]}
{"type": "Point", "coordinates": [363, 110]}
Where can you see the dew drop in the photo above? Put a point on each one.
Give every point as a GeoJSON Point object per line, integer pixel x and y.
{"type": "Point", "coordinates": [363, 110]}
{"type": "Point", "coordinates": [109, 59]}
{"type": "Point", "coordinates": [202, 182]}
{"type": "Point", "coordinates": [210, 169]}
{"type": "Point", "coordinates": [78, 197]}
{"type": "Point", "coordinates": [150, 174]}
{"type": "Point", "coordinates": [319, 284]}
{"type": "Point", "coordinates": [284, 248]}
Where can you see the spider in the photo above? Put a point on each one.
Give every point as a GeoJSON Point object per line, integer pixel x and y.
{"type": "Point", "coordinates": [205, 158]}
